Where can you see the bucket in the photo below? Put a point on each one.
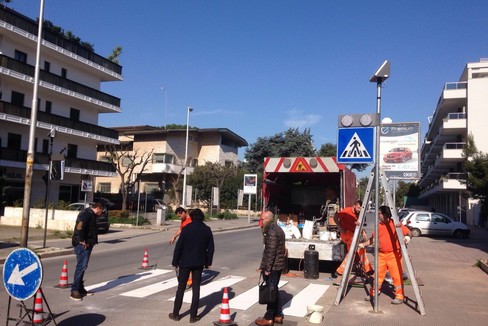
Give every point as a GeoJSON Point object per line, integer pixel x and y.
{"type": "Point", "coordinates": [315, 314]}
{"type": "Point", "coordinates": [325, 235]}
{"type": "Point", "coordinates": [333, 235]}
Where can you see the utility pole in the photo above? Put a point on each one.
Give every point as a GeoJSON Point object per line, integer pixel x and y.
{"type": "Point", "coordinates": [29, 164]}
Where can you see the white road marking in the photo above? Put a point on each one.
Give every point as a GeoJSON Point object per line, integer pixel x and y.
{"type": "Point", "coordinates": [297, 306]}
{"type": "Point", "coordinates": [212, 287]}
{"type": "Point", "coordinates": [152, 288]}
{"type": "Point", "coordinates": [245, 300]}
{"type": "Point", "coordinates": [129, 279]}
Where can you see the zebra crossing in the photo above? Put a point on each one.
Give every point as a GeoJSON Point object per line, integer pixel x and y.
{"type": "Point", "coordinates": [159, 280]}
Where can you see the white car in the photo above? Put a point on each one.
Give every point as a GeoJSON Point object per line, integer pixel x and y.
{"type": "Point", "coordinates": [430, 223]}
{"type": "Point", "coordinates": [102, 220]}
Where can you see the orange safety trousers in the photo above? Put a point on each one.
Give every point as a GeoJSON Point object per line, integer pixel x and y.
{"type": "Point", "coordinates": [360, 254]}
{"type": "Point", "coordinates": [391, 261]}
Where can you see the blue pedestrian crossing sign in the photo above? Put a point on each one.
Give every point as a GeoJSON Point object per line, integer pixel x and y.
{"type": "Point", "coordinates": [22, 274]}
{"type": "Point", "coordinates": [356, 145]}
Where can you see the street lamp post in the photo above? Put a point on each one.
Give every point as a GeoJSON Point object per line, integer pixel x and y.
{"type": "Point", "coordinates": [188, 110]}
{"type": "Point", "coordinates": [379, 77]}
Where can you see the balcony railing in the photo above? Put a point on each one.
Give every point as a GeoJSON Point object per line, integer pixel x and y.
{"type": "Point", "coordinates": [57, 120]}
{"type": "Point", "coordinates": [457, 176]}
{"type": "Point", "coordinates": [457, 85]}
{"type": "Point", "coordinates": [459, 145]}
{"type": "Point", "coordinates": [29, 70]}
{"type": "Point", "coordinates": [31, 26]}
{"type": "Point", "coordinates": [457, 115]}
{"type": "Point", "coordinates": [42, 158]}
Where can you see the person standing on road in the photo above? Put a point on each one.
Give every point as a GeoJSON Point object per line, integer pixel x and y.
{"type": "Point", "coordinates": [390, 253]}
{"type": "Point", "coordinates": [85, 236]}
{"type": "Point", "coordinates": [194, 251]}
{"type": "Point", "coordinates": [273, 263]}
{"type": "Point", "coordinates": [346, 221]}
{"type": "Point", "coordinates": [185, 220]}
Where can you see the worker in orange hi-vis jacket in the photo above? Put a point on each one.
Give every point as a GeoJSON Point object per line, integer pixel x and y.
{"type": "Point", "coordinates": [389, 252]}
{"type": "Point", "coordinates": [346, 221]}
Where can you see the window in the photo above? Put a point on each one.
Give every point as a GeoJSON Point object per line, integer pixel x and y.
{"type": "Point", "coordinates": [20, 56]}
{"type": "Point", "coordinates": [17, 98]}
{"type": "Point", "coordinates": [127, 161]}
{"type": "Point", "coordinates": [158, 158]}
{"type": "Point", "coordinates": [422, 217]}
{"type": "Point", "coordinates": [14, 141]}
{"type": "Point", "coordinates": [47, 66]}
{"type": "Point", "coordinates": [438, 218]}
{"type": "Point", "coordinates": [74, 114]}
{"type": "Point", "coordinates": [72, 151]}
{"type": "Point", "coordinates": [48, 106]}
{"type": "Point", "coordinates": [104, 187]}
{"type": "Point", "coordinates": [45, 146]}
{"type": "Point", "coordinates": [151, 187]}
{"type": "Point", "coordinates": [104, 159]}
{"type": "Point", "coordinates": [64, 72]}
{"type": "Point", "coordinates": [194, 162]}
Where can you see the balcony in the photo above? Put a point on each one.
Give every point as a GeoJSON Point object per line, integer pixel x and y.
{"type": "Point", "coordinates": [453, 181]}
{"type": "Point", "coordinates": [169, 168]}
{"type": "Point", "coordinates": [30, 26]}
{"type": "Point", "coordinates": [71, 126]}
{"type": "Point", "coordinates": [454, 124]}
{"type": "Point", "coordinates": [453, 152]}
{"type": "Point", "coordinates": [72, 165]}
{"type": "Point", "coordinates": [55, 82]}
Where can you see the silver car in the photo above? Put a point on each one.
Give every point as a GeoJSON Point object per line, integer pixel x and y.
{"type": "Point", "coordinates": [429, 223]}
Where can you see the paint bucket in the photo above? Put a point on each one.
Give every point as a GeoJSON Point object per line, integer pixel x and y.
{"type": "Point", "coordinates": [315, 314]}
{"type": "Point", "coordinates": [324, 235]}
{"type": "Point", "coordinates": [333, 235]}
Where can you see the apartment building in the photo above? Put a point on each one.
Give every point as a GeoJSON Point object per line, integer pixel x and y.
{"type": "Point", "coordinates": [69, 102]}
{"type": "Point", "coordinates": [462, 109]}
{"type": "Point", "coordinates": [216, 145]}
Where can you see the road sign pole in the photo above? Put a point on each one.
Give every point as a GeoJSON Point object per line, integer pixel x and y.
{"type": "Point", "coordinates": [377, 189]}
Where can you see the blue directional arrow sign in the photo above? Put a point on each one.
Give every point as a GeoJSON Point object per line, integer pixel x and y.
{"type": "Point", "coordinates": [356, 145]}
{"type": "Point", "coordinates": [22, 274]}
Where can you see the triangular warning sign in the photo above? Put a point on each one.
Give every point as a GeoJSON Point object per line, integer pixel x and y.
{"type": "Point", "coordinates": [300, 165]}
{"type": "Point", "coordinates": [355, 148]}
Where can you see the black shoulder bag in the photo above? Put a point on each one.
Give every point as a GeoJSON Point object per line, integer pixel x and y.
{"type": "Point", "coordinates": [267, 292]}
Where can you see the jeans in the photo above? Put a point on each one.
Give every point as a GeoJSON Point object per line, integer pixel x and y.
{"type": "Point", "coordinates": [82, 258]}
{"type": "Point", "coordinates": [183, 275]}
{"type": "Point", "coordinates": [274, 309]}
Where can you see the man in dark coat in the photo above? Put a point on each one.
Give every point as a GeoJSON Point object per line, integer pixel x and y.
{"type": "Point", "coordinates": [85, 236]}
{"type": "Point", "coordinates": [272, 265]}
{"type": "Point", "coordinates": [193, 251]}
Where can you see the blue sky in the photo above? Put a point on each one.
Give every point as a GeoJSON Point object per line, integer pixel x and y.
{"type": "Point", "coordinates": [260, 67]}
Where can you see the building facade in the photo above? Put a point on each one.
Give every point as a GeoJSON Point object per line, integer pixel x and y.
{"type": "Point", "coordinates": [462, 110]}
{"type": "Point", "coordinates": [167, 148]}
{"type": "Point", "coordinates": [69, 104]}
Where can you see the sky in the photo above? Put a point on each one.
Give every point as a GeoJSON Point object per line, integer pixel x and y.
{"type": "Point", "coordinates": [261, 67]}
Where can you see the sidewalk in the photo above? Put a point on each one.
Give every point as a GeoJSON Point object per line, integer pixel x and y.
{"type": "Point", "coordinates": [10, 235]}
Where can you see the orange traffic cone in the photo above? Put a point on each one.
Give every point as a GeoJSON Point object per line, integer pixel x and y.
{"type": "Point", "coordinates": [63, 279]}
{"type": "Point", "coordinates": [38, 317]}
{"type": "Point", "coordinates": [225, 312]}
{"type": "Point", "coordinates": [145, 260]}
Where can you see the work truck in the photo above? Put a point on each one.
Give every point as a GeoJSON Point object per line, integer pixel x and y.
{"type": "Point", "coordinates": [300, 189]}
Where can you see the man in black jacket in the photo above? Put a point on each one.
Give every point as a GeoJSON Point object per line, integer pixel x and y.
{"type": "Point", "coordinates": [193, 251]}
{"type": "Point", "coordinates": [272, 264]}
{"type": "Point", "coordinates": [85, 236]}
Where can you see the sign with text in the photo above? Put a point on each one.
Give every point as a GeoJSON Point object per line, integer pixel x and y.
{"type": "Point", "coordinates": [250, 184]}
{"type": "Point", "coordinates": [399, 150]}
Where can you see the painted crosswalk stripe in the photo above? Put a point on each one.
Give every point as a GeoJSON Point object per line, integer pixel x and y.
{"type": "Point", "coordinates": [152, 288]}
{"type": "Point", "coordinates": [297, 306]}
{"type": "Point", "coordinates": [212, 287]}
{"type": "Point", "coordinates": [128, 279]}
{"type": "Point", "coordinates": [245, 300]}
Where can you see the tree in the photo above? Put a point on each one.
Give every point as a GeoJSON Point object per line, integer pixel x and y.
{"type": "Point", "coordinates": [204, 177]}
{"type": "Point", "coordinates": [476, 167]}
{"type": "Point", "coordinates": [126, 160]}
{"type": "Point", "coordinates": [328, 150]}
{"type": "Point", "coordinates": [114, 57]}
{"type": "Point", "coordinates": [291, 142]}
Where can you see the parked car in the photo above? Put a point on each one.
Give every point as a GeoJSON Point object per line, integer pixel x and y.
{"type": "Point", "coordinates": [398, 155]}
{"type": "Point", "coordinates": [102, 220]}
{"type": "Point", "coordinates": [430, 223]}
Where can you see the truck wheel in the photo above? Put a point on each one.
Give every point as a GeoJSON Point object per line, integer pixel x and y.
{"type": "Point", "coordinates": [416, 232]}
